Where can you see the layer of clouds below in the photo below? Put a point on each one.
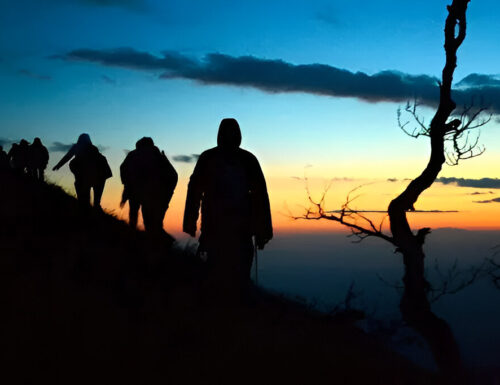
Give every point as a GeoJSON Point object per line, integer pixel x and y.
{"type": "Point", "coordinates": [278, 76]}
{"type": "Point", "coordinates": [477, 183]}
{"type": "Point", "coordinates": [185, 158]}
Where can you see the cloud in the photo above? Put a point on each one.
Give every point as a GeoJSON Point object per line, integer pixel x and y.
{"type": "Point", "coordinates": [278, 76]}
{"type": "Point", "coordinates": [108, 80]}
{"type": "Point", "coordinates": [392, 179]}
{"type": "Point", "coordinates": [494, 200]}
{"type": "Point", "coordinates": [63, 147]}
{"type": "Point", "coordinates": [60, 147]}
{"type": "Point", "coordinates": [477, 183]}
{"type": "Point", "coordinates": [33, 75]}
{"type": "Point", "coordinates": [481, 193]}
{"type": "Point", "coordinates": [4, 142]}
{"type": "Point", "coordinates": [186, 158]}
{"type": "Point", "coordinates": [479, 80]}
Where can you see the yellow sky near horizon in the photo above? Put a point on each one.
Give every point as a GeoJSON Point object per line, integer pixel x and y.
{"type": "Point", "coordinates": [288, 198]}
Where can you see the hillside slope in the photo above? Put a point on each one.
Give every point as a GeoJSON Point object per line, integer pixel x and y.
{"type": "Point", "coordinates": [88, 301]}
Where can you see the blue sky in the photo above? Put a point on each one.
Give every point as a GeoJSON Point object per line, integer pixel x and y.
{"type": "Point", "coordinates": [47, 92]}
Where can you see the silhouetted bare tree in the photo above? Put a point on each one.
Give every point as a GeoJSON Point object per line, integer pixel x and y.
{"type": "Point", "coordinates": [452, 139]}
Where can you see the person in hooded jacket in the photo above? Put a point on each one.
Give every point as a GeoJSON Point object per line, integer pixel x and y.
{"type": "Point", "coordinates": [19, 156]}
{"type": "Point", "coordinates": [91, 169]}
{"type": "Point", "coordinates": [149, 181]}
{"type": "Point", "coordinates": [38, 159]}
{"type": "Point", "coordinates": [228, 184]}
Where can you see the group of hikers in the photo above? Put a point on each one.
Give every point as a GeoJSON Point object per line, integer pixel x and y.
{"type": "Point", "coordinates": [227, 184]}
{"type": "Point", "coordinates": [25, 158]}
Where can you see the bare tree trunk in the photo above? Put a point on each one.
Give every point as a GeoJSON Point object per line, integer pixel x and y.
{"type": "Point", "coordinates": [400, 228]}
{"type": "Point", "coordinates": [416, 311]}
{"type": "Point", "coordinates": [415, 306]}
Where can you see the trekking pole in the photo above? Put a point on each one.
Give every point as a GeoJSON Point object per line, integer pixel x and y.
{"type": "Point", "coordinates": [256, 263]}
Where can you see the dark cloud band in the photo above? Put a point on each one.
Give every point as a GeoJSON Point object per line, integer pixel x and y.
{"type": "Point", "coordinates": [477, 183]}
{"type": "Point", "coordinates": [64, 147]}
{"type": "Point", "coordinates": [278, 76]}
{"type": "Point", "coordinates": [494, 200]}
{"type": "Point", "coordinates": [185, 158]}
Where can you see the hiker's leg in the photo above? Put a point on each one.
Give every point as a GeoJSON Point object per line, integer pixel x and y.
{"type": "Point", "coordinates": [133, 212]}
{"type": "Point", "coordinates": [82, 192]}
{"type": "Point", "coordinates": [98, 189]}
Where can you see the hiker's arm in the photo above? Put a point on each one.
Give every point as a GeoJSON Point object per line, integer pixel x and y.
{"type": "Point", "coordinates": [65, 159]}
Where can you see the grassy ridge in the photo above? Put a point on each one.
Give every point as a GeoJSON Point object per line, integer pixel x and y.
{"type": "Point", "coordinates": [91, 301]}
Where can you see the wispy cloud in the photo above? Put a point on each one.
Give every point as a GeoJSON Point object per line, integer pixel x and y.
{"type": "Point", "coordinates": [4, 141]}
{"type": "Point", "coordinates": [60, 147]}
{"type": "Point", "coordinates": [481, 193]}
{"type": "Point", "coordinates": [186, 158]}
{"type": "Point", "coordinates": [477, 183]}
{"type": "Point", "coordinates": [33, 75]}
{"type": "Point", "coordinates": [479, 80]}
{"type": "Point", "coordinates": [278, 76]}
{"type": "Point", "coordinates": [65, 147]}
{"type": "Point", "coordinates": [494, 200]}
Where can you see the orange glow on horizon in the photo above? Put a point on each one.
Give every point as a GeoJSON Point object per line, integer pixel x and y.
{"type": "Point", "coordinates": [289, 198]}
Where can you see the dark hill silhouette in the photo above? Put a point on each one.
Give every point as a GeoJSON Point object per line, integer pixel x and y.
{"type": "Point", "coordinates": [89, 300]}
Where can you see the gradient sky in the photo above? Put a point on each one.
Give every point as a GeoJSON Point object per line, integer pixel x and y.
{"type": "Point", "coordinates": [183, 66]}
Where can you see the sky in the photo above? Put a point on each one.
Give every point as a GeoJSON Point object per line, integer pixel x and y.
{"type": "Point", "coordinates": [315, 86]}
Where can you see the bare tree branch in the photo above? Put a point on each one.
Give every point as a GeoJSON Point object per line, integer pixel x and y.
{"type": "Point", "coordinates": [346, 216]}
{"type": "Point", "coordinates": [454, 279]}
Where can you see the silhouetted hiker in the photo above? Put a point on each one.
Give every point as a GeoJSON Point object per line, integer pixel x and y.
{"type": "Point", "coordinates": [90, 168]}
{"type": "Point", "coordinates": [38, 159]}
{"type": "Point", "coordinates": [23, 155]}
{"type": "Point", "coordinates": [228, 183]}
{"type": "Point", "coordinates": [18, 156]}
{"type": "Point", "coordinates": [149, 181]}
{"type": "Point", "coordinates": [4, 160]}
